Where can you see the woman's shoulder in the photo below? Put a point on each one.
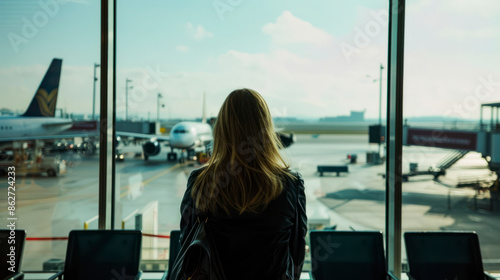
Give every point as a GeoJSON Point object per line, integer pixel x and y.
{"type": "Point", "coordinates": [295, 178]}
{"type": "Point", "coordinates": [191, 180]}
{"type": "Point", "coordinates": [194, 174]}
{"type": "Point", "coordinates": [295, 173]}
{"type": "Point", "coordinates": [285, 203]}
{"type": "Point", "coordinates": [295, 185]}
{"type": "Point", "coordinates": [292, 184]}
{"type": "Point", "coordinates": [197, 171]}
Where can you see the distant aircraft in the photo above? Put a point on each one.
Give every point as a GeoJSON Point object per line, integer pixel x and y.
{"type": "Point", "coordinates": [39, 121]}
{"type": "Point", "coordinates": [183, 136]}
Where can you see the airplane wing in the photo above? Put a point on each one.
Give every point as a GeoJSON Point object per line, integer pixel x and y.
{"type": "Point", "coordinates": [41, 137]}
{"type": "Point", "coordinates": [160, 138]}
{"type": "Point", "coordinates": [56, 124]}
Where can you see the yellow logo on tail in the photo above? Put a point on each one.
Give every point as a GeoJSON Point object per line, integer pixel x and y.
{"type": "Point", "coordinates": [47, 102]}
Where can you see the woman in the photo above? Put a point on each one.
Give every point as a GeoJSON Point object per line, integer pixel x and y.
{"type": "Point", "coordinates": [255, 204]}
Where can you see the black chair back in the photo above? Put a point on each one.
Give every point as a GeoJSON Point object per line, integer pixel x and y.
{"type": "Point", "coordinates": [444, 255]}
{"type": "Point", "coordinates": [11, 259]}
{"type": "Point", "coordinates": [103, 254]}
{"type": "Point", "coordinates": [175, 247]}
{"type": "Point", "coordinates": [347, 255]}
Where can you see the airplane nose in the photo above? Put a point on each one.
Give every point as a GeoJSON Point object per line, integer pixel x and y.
{"type": "Point", "coordinates": [184, 140]}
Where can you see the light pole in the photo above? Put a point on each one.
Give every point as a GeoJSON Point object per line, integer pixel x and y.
{"type": "Point", "coordinates": [380, 96]}
{"type": "Point", "coordinates": [158, 112]}
{"type": "Point", "coordinates": [126, 96]}
{"type": "Point", "coordinates": [380, 105]}
{"type": "Point", "coordinates": [93, 100]}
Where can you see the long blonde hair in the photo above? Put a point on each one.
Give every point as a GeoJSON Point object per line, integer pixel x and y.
{"type": "Point", "coordinates": [246, 171]}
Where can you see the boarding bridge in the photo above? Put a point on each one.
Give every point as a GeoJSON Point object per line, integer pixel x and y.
{"type": "Point", "coordinates": [484, 140]}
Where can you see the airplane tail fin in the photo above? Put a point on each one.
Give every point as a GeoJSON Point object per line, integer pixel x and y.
{"type": "Point", "coordinates": [204, 110]}
{"type": "Point", "coordinates": [44, 102]}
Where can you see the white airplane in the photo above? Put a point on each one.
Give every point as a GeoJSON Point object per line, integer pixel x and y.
{"type": "Point", "coordinates": [38, 122]}
{"type": "Point", "coordinates": [183, 136]}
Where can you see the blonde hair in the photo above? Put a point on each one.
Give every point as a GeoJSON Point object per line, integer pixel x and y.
{"type": "Point", "coordinates": [246, 171]}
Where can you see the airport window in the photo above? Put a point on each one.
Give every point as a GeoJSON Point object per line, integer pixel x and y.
{"type": "Point", "coordinates": [450, 174]}
{"type": "Point", "coordinates": [322, 85]}
{"type": "Point", "coordinates": [48, 51]}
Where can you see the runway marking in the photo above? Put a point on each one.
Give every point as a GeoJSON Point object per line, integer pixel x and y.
{"type": "Point", "coordinates": [51, 199]}
{"type": "Point", "coordinates": [145, 182]}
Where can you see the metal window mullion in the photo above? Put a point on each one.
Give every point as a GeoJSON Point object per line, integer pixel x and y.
{"type": "Point", "coordinates": [113, 127]}
{"type": "Point", "coordinates": [481, 118]}
{"type": "Point", "coordinates": [106, 127]}
{"type": "Point", "coordinates": [394, 135]}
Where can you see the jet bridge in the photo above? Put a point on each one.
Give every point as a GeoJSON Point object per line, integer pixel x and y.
{"type": "Point", "coordinates": [485, 139]}
{"type": "Point", "coordinates": [491, 135]}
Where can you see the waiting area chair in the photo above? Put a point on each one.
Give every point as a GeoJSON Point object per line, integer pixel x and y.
{"type": "Point", "coordinates": [348, 255]}
{"type": "Point", "coordinates": [173, 251]}
{"type": "Point", "coordinates": [102, 255]}
{"type": "Point", "coordinates": [444, 255]}
{"type": "Point", "coordinates": [11, 259]}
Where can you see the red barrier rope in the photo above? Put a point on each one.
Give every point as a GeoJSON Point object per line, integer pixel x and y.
{"type": "Point", "coordinates": [45, 238]}
{"type": "Point", "coordinates": [66, 238]}
{"type": "Point", "coordinates": [156, 235]}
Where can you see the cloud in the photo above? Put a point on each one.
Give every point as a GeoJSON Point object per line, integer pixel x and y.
{"type": "Point", "coordinates": [198, 32]}
{"type": "Point", "coordinates": [289, 29]}
{"type": "Point", "coordinates": [78, 1]}
{"type": "Point", "coordinates": [447, 22]}
{"type": "Point", "coordinates": [484, 8]}
{"type": "Point", "coordinates": [182, 48]}
{"type": "Point", "coordinates": [303, 86]}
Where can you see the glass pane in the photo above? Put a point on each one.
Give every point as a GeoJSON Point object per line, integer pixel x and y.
{"type": "Point", "coordinates": [318, 65]}
{"type": "Point", "coordinates": [46, 129]}
{"type": "Point", "coordinates": [452, 164]}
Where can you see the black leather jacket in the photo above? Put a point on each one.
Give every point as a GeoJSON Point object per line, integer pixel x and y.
{"type": "Point", "coordinates": [269, 245]}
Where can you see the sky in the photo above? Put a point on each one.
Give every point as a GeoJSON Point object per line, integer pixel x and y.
{"type": "Point", "coordinates": [308, 59]}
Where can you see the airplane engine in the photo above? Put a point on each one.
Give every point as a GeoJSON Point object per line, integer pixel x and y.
{"type": "Point", "coordinates": [87, 148]}
{"type": "Point", "coordinates": [151, 148]}
{"type": "Point", "coordinates": [285, 139]}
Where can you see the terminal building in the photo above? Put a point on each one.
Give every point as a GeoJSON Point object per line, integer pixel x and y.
{"type": "Point", "coordinates": [355, 116]}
